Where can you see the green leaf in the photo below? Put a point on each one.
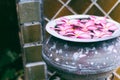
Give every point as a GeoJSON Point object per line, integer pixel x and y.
{"type": "Point", "coordinates": [9, 74]}
{"type": "Point", "coordinates": [7, 58]}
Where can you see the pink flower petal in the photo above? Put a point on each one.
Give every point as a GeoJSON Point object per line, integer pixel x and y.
{"type": "Point", "coordinates": [62, 32]}
{"type": "Point", "coordinates": [82, 25]}
{"type": "Point", "coordinates": [84, 29]}
{"type": "Point", "coordinates": [97, 33]}
{"type": "Point", "coordinates": [99, 26]}
{"type": "Point", "coordinates": [110, 24]}
{"type": "Point", "coordinates": [105, 35]}
{"type": "Point", "coordinates": [64, 21]}
{"type": "Point", "coordinates": [84, 36]}
{"type": "Point", "coordinates": [74, 22]}
{"type": "Point", "coordinates": [113, 28]}
{"type": "Point", "coordinates": [95, 27]}
{"type": "Point", "coordinates": [89, 23]}
{"type": "Point", "coordinates": [92, 27]}
{"type": "Point", "coordinates": [69, 34]}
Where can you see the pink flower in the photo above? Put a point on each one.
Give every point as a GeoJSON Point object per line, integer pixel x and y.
{"type": "Point", "coordinates": [98, 20]}
{"type": "Point", "coordinates": [68, 22]}
{"type": "Point", "coordinates": [100, 34]}
{"type": "Point", "coordinates": [64, 29]}
{"type": "Point", "coordinates": [62, 20]}
{"type": "Point", "coordinates": [93, 27]}
{"type": "Point", "coordinates": [89, 25]}
{"type": "Point", "coordinates": [82, 34]}
{"type": "Point", "coordinates": [110, 26]}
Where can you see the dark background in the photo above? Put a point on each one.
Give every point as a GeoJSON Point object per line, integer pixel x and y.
{"type": "Point", "coordinates": [10, 50]}
{"type": "Point", "coordinates": [9, 26]}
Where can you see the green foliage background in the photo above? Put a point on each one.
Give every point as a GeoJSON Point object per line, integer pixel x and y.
{"type": "Point", "coordinates": [11, 66]}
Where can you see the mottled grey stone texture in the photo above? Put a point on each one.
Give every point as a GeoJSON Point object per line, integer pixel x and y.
{"type": "Point", "coordinates": [29, 12]}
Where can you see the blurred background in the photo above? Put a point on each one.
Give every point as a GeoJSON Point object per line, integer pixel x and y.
{"type": "Point", "coordinates": [22, 32]}
{"type": "Point", "coordinates": [11, 64]}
